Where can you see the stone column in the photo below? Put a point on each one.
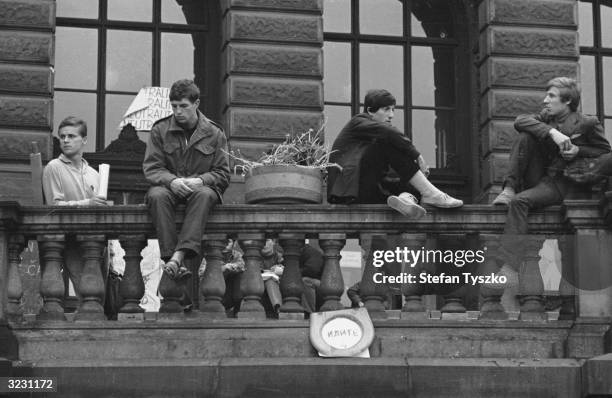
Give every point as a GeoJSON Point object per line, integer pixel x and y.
{"type": "Point", "coordinates": [413, 291]}
{"type": "Point", "coordinates": [16, 244]}
{"type": "Point", "coordinates": [273, 70]}
{"type": "Point", "coordinates": [332, 283]}
{"type": "Point", "coordinates": [212, 286]}
{"type": "Point", "coordinates": [291, 281]}
{"type": "Point", "coordinates": [251, 283]}
{"type": "Point", "coordinates": [132, 286]}
{"type": "Point", "coordinates": [531, 285]}
{"type": "Point", "coordinates": [373, 294]}
{"type": "Point", "coordinates": [491, 307]}
{"type": "Point", "coordinates": [567, 289]}
{"type": "Point", "coordinates": [52, 289]}
{"type": "Point", "coordinates": [92, 282]}
{"type": "Point", "coordinates": [26, 87]}
{"type": "Point", "coordinates": [523, 44]}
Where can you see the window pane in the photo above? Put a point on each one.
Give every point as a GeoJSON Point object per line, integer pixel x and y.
{"type": "Point", "coordinates": [607, 85]}
{"type": "Point", "coordinates": [337, 16]}
{"type": "Point", "coordinates": [432, 135]}
{"type": "Point", "coordinates": [116, 106]}
{"type": "Point", "coordinates": [432, 18]}
{"type": "Point", "coordinates": [128, 60]}
{"type": "Point", "coordinates": [587, 81]}
{"type": "Point", "coordinates": [376, 74]}
{"type": "Point", "coordinates": [398, 121]}
{"type": "Point", "coordinates": [337, 71]}
{"type": "Point", "coordinates": [606, 26]}
{"type": "Point", "coordinates": [608, 129]}
{"type": "Point", "coordinates": [172, 12]}
{"type": "Point", "coordinates": [76, 44]}
{"type": "Point", "coordinates": [585, 24]}
{"type": "Point", "coordinates": [176, 58]}
{"type": "Point", "coordinates": [82, 105]}
{"type": "Point", "coordinates": [433, 78]}
{"type": "Point", "coordinates": [381, 17]}
{"type": "Point", "coordinates": [77, 8]}
{"type": "Point", "coordinates": [132, 10]}
{"type": "Point", "coordinates": [336, 117]}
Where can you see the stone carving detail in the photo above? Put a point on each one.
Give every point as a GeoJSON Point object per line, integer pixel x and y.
{"type": "Point", "coordinates": [14, 185]}
{"type": "Point", "coordinates": [22, 79]}
{"type": "Point", "coordinates": [280, 4]}
{"type": "Point", "coordinates": [271, 92]}
{"type": "Point", "coordinates": [29, 14]}
{"type": "Point", "coordinates": [530, 74]}
{"type": "Point", "coordinates": [271, 125]}
{"type": "Point", "coordinates": [280, 61]}
{"type": "Point", "coordinates": [539, 12]}
{"type": "Point", "coordinates": [501, 136]}
{"type": "Point", "coordinates": [537, 43]}
{"type": "Point", "coordinates": [277, 28]}
{"type": "Point", "coordinates": [25, 112]}
{"type": "Point", "coordinates": [511, 105]}
{"type": "Point", "coordinates": [25, 47]}
{"type": "Point", "coordinates": [19, 144]}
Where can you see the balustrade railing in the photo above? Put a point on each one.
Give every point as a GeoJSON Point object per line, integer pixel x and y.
{"type": "Point", "coordinates": [56, 228]}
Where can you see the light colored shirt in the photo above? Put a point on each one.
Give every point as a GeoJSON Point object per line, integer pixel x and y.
{"type": "Point", "coordinates": [64, 184]}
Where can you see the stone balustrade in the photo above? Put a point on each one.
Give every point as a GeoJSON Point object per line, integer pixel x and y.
{"type": "Point", "coordinates": [473, 226]}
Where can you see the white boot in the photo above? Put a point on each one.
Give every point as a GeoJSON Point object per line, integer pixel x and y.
{"type": "Point", "coordinates": [430, 194]}
{"type": "Point", "coordinates": [406, 204]}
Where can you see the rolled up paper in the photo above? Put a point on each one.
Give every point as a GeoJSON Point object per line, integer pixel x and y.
{"type": "Point", "coordinates": [104, 170]}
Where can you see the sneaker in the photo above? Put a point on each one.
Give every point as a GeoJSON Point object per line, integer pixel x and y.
{"type": "Point", "coordinates": [504, 197]}
{"type": "Point", "coordinates": [509, 273]}
{"type": "Point", "coordinates": [441, 199]}
{"type": "Point", "coordinates": [406, 204]}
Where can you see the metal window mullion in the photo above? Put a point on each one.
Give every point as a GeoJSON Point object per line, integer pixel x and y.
{"type": "Point", "coordinates": [156, 43]}
{"type": "Point", "coordinates": [407, 70]}
{"type": "Point", "coordinates": [355, 64]}
{"type": "Point", "coordinates": [599, 95]}
{"type": "Point", "coordinates": [101, 90]}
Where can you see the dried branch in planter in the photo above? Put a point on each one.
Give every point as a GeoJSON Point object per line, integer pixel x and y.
{"type": "Point", "coordinates": [306, 150]}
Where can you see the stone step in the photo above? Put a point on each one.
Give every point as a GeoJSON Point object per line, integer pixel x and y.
{"type": "Point", "coordinates": [313, 377]}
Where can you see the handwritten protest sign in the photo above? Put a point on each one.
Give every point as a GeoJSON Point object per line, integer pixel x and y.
{"type": "Point", "coordinates": [150, 105]}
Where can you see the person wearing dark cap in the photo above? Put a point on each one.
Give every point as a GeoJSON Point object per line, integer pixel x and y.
{"type": "Point", "coordinates": [366, 148]}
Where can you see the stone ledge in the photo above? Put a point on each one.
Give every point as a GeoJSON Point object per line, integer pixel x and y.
{"type": "Point", "coordinates": [286, 5]}
{"type": "Point", "coordinates": [28, 13]}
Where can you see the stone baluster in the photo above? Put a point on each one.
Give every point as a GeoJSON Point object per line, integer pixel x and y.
{"type": "Point", "coordinates": [91, 283]}
{"type": "Point", "coordinates": [453, 300]}
{"type": "Point", "coordinates": [52, 289]}
{"type": "Point", "coordinates": [567, 289]}
{"type": "Point", "coordinates": [251, 283]}
{"type": "Point", "coordinates": [291, 281]}
{"type": "Point", "coordinates": [212, 286]}
{"type": "Point", "coordinates": [132, 286]}
{"type": "Point", "coordinates": [531, 285]}
{"type": "Point", "coordinates": [373, 294]}
{"type": "Point", "coordinates": [16, 244]}
{"type": "Point", "coordinates": [491, 307]}
{"type": "Point", "coordinates": [412, 289]}
{"type": "Point", "coordinates": [332, 283]}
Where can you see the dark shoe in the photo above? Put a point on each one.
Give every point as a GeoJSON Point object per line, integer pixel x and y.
{"type": "Point", "coordinates": [176, 270]}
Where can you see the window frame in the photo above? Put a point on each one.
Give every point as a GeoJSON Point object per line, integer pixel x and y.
{"type": "Point", "coordinates": [102, 25]}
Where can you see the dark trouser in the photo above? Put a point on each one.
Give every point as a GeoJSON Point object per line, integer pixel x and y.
{"type": "Point", "coordinates": [528, 161]}
{"type": "Point", "coordinates": [374, 164]}
{"type": "Point", "coordinates": [162, 204]}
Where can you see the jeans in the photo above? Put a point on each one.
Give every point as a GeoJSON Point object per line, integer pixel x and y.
{"type": "Point", "coordinates": [162, 204]}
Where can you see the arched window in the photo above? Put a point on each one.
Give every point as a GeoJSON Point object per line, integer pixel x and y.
{"type": "Point", "coordinates": [595, 34]}
{"type": "Point", "coordinates": [106, 50]}
{"type": "Point", "coordinates": [414, 48]}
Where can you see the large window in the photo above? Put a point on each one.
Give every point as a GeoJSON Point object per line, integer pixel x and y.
{"type": "Point", "coordinates": [595, 33]}
{"type": "Point", "coordinates": [408, 47]}
{"type": "Point", "coordinates": [106, 50]}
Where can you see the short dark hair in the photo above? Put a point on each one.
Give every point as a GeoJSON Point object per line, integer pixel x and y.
{"type": "Point", "coordinates": [569, 90]}
{"type": "Point", "coordinates": [184, 88]}
{"type": "Point", "coordinates": [377, 98]}
{"type": "Point", "coordinates": [76, 122]}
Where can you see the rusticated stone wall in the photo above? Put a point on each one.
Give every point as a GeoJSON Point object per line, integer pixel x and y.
{"type": "Point", "coordinates": [523, 44]}
{"type": "Point", "coordinates": [26, 89]}
{"type": "Point", "coordinates": [273, 64]}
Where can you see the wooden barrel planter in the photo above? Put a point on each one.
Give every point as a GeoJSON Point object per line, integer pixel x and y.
{"type": "Point", "coordinates": [283, 184]}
